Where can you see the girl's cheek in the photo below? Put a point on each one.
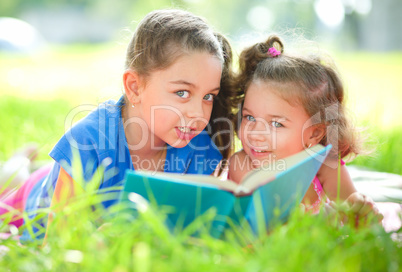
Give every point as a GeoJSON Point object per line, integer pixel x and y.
{"type": "Point", "coordinates": [245, 129]}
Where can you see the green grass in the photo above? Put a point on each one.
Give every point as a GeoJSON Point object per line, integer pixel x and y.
{"type": "Point", "coordinates": [386, 152]}
{"type": "Point", "coordinates": [27, 121]}
{"type": "Point", "coordinates": [143, 243]}
{"type": "Point", "coordinates": [40, 93]}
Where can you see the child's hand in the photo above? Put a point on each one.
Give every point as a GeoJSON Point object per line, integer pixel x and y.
{"type": "Point", "coordinates": [359, 207]}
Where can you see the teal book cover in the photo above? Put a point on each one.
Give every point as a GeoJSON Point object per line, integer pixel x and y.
{"type": "Point", "coordinates": [265, 195]}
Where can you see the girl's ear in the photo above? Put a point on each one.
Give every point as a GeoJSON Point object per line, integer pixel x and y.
{"type": "Point", "coordinates": [132, 83]}
{"type": "Point", "coordinates": [318, 132]}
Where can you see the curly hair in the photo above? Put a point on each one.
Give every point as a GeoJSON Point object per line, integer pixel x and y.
{"type": "Point", "coordinates": [313, 83]}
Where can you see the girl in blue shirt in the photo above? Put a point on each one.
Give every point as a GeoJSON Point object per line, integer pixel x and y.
{"type": "Point", "coordinates": [173, 116]}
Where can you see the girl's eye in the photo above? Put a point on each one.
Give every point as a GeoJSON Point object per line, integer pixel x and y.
{"type": "Point", "coordinates": [276, 124]}
{"type": "Point", "coordinates": [183, 94]}
{"type": "Point", "coordinates": [249, 118]}
{"type": "Point", "coordinates": [209, 97]}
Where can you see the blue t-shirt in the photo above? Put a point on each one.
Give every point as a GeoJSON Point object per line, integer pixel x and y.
{"type": "Point", "coordinates": [99, 141]}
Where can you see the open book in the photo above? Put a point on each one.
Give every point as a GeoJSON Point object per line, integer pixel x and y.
{"type": "Point", "coordinates": [278, 186]}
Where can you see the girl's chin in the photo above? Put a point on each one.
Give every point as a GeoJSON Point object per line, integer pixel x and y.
{"type": "Point", "coordinates": [258, 162]}
{"type": "Point", "coordinates": [179, 143]}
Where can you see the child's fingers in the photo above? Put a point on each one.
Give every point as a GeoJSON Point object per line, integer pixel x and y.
{"type": "Point", "coordinates": [367, 207]}
{"type": "Point", "coordinates": [362, 207]}
{"type": "Point", "coordinates": [378, 215]}
{"type": "Point", "coordinates": [329, 208]}
{"type": "Point", "coordinates": [332, 209]}
{"type": "Point", "coordinates": [360, 204]}
{"type": "Point", "coordinates": [343, 207]}
{"type": "Point", "coordinates": [355, 209]}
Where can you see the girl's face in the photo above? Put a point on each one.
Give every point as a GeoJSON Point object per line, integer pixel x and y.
{"type": "Point", "coordinates": [176, 103]}
{"type": "Point", "coordinates": [271, 128]}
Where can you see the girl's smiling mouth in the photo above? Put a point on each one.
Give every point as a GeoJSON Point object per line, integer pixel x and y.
{"type": "Point", "coordinates": [185, 133]}
{"type": "Point", "coordinates": [259, 152]}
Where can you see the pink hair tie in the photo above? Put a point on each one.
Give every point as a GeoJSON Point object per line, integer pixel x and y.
{"type": "Point", "coordinates": [273, 52]}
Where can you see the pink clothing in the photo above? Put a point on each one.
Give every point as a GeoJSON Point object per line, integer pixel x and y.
{"type": "Point", "coordinates": [15, 201]}
{"type": "Point", "coordinates": [315, 207]}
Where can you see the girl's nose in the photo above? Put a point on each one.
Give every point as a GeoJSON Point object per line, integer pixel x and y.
{"type": "Point", "coordinates": [259, 131]}
{"type": "Point", "coordinates": [195, 110]}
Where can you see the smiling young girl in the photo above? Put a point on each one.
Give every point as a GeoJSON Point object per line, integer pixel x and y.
{"type": "Point", "coordinates": [290, 103]}
{"type": "Point", "coordinates": [177, 83]}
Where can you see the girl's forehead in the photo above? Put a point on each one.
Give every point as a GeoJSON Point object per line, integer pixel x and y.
{"type": "Point", "coordinates": [264, 91]}
{"type": "Point", "coordinates": [267, 100]}
{"type": "Point", "coordinates": [263, 99]}
{"type": "Point", "coordinates": [291, 92]}
{"type": "Point", "coordinates": [278, 87]}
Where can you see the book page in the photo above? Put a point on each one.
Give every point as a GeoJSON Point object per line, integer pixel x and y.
{"type": "Point", "coordinates": [268, 172]}
{"type": "Point", "coordinates": [226, 185]}
{"type": "Point", "coordinates": [252, 181]}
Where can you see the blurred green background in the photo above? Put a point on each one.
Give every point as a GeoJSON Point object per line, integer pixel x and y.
{"type": "Point", "coordinates": [65, 57]}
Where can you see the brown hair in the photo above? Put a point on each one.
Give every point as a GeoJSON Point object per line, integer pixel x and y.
{"type": "Point", "coordinates": [165, 35]}
{"type": "Point", "coordinates": [313, 83]}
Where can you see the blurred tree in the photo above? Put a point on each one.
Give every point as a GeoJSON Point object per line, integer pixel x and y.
{"type": "Point", "coordinates": [238, 17]}
{"type": "Point", "coordinates": [234, 18]}
{"type": "Point", "coordinates": [132, 10]}
{"type": "Point", "coordinates": [10, 8]}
